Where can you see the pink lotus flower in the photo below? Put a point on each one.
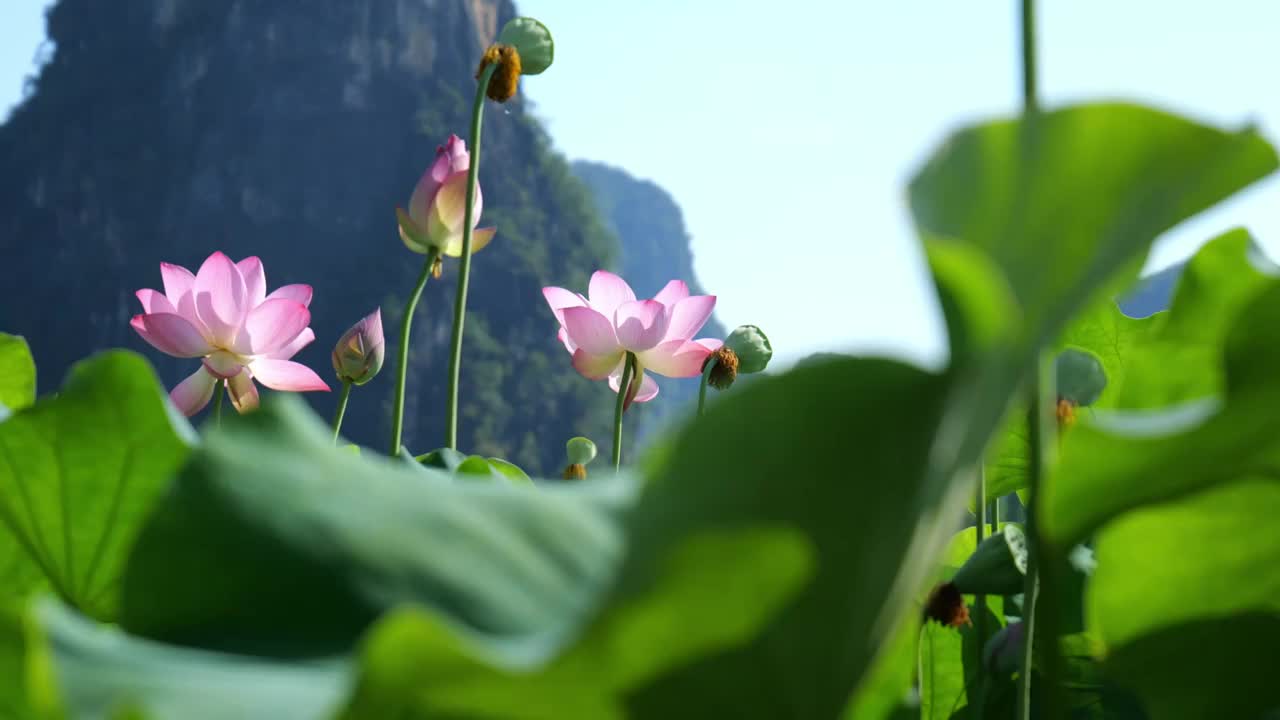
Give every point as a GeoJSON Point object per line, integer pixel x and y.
{"type": "Point", "coordinates": [438, 205]}
{"type": "Point", "coordinates": [599, 330]}
{"type": "Point", "coordinates": [224, 315]}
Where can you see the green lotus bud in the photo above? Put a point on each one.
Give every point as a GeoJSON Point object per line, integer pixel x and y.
{"type": "Point", "coordinates": [998, 566]}
{"type": "Point", "coordinates": [532, 40]}
{"type": "Point", "coordinates": [580, 450]}
{"type": "Point", "coordinates": [751, 346]}
{"type": "Point", "coordinates": [1002, 653]}
{"type": "Point", "coordinates": [1080, 377]}
{"type": "Point", "coordinates": [358, 356]}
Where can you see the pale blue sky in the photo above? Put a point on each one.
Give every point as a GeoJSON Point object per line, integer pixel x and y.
{"type": "Point", "coordinates": [787, 130]}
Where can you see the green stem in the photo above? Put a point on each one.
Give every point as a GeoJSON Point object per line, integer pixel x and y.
{"type": "Point", "coordinates": [406, 322]}
{"type": "Point", "coordinates": [702, 388]}
{"type": "Point", "coordinates": [1039, 594]}
{"type": "Point", "coordinates": [464, 270]}
{"type": "Point", "coordinates": [1030, 102]}
{"type": "Point", "coordinates": [342, 409]}
{"type": "Point", "coordinates": [217, 402]}
{"type": "Point", "coordinates": [618, 407]}
{"type": "Point", "coordinates": [980, 601]}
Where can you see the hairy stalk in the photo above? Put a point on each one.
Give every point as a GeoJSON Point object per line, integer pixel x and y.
{"type": "Point", "coordinates": [464, 268]}
{"type": "Point", "coordinates": [702, 387]}
{"type": "Point", "coordinates": [342, 409]}
{"type": "Point", "coordinates": [1042, 438]}
{"type": "Point", "coordinates": [406, 323]}
{"type": "Point", "coordinates": [618, 408]}
{"type": "Point", "coordinates": [980, 601]}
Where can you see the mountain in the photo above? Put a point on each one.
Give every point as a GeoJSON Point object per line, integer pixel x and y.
{"type": "Point", "coordinates": [163, 130]}
{"type": "Point", "coordinates": [655, 249]}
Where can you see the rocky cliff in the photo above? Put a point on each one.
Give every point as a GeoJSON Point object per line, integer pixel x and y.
{"type": "Point", "coordinates": [167, 129]}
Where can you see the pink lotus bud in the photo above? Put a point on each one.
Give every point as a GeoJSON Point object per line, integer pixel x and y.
{"type": "Point", "coordinates": [436, 211]}
{"type": "Point", "coordinates": [358, 356]}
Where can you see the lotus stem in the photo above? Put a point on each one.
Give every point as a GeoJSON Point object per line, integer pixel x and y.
{"type": "Point", "coordinates": [464, 269]}
{"type": "Point", "coordinates": [619, 406]}
{"type": "Point", "coordinates": [406, 322]}
{"type": "Point", "coordinates": [342, 409]}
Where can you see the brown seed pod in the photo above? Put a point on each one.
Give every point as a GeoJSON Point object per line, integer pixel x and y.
{"type": "Point", "coordinates": [575, 471]}
{"type": "Point", "coordinates": [1066, 413]}
{"type": "Point", "coordinates": [946, 606]}
{"type": "Point", "coordinates": [726, 369]}
{"type": "Point", "coordinates": [506, 79]}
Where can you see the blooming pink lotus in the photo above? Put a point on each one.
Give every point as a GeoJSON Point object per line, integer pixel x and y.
{"type": "Point", "coordinates": [224, 315]}
{"type": "Point", "coordinates": [438, 205]}
{"type": "Point", "coordinates": [599, 330]}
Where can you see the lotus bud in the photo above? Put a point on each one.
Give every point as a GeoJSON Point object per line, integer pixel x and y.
{"type": "Point", "coordinates": [998, 566]}
{"type": "Point", "coordinates": [751, 346]}
{"type": "Point", "coordinates": [532, 40]}
{"type": "Point", "coordinates": [358, 356]}
{"type": "Point", "coordinates": [581, 451]}
{"type": "Point", "coordinates": [1080, 377]}
{"type": "Point", "coordinates": [1002, 652]}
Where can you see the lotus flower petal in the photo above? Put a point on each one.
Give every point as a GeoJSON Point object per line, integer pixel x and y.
{"type": "Point", "coordinates": [672, 292]}
{"type": "Point", "coordinates": [689, 315]}
{"type": "Point", "coordinates": [155, 302]}
{"type": "Point", "coordinates": [558, 299]}
{"type": "Point", "coordinates": [590, 331]}
{"type": "Point", "coordinates": [192, 394]}
{"type": "Point", "coordinates": [711, 344]}
{"type": "Point", "coordinates": [297, 293]}
{"type": "Point", "coordinates": [244, 394]}
{"type": "Point", "coordinates": [221, 298]}
{"type": "Point", "coordinates": [304, 338]}
{"type": "Point", "coordinates": [286, 375]}
{"type": "Point", "coordinates": [171, 334]}
{"type": "Point", "coordinates": [641, 324]}
{"type": "Point", "coordinates": [648, 387]}
{"type": "Point", "coordinates": [676, 358]}
{"type": "Point", "coordinates": [177, 281]}
{"type": "Point", "coordinates": [255, 280]}
{"type": "Point", "coordinates": [271, 326]}
{"type": "Point", "coordinates": [607, 291]}
{"type": "Point", "coordinates": [596, 367]}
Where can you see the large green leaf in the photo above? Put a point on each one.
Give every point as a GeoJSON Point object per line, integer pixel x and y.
{"type": "Point", "coordinates": [1182, 359]}
{"type": "Point", "coordinates": [78, 474]}
{"type": "Point", "coordinates": [1124, 459]}
{"type": "Point", "coordinates": [887, 689]}
{"type": "Point", "coordinates": [877, 519]}
{"type": "Point", "coordinates": [17, 374]}
{"type": "Point", "coordinates": [312, 544]}
{"type": "Point", "coordinates": [1063, 200]}
{"type": "Point", "coordinates": [1170, 357]}
{"type": "Point", "coordinates": [1187, 598]}
{"type": "Point", "coordinates": [101, 672]}
{"type": "Point", "coordinates": [22, 685]}
{"type": "Point", "coordinates": [415, 666]}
